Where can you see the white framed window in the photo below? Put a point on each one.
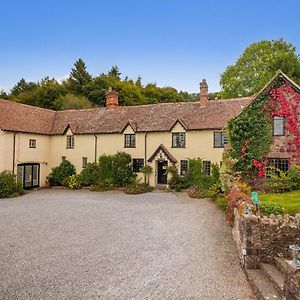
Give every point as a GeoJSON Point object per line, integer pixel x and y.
{"type": "Point", "coordinates": [178, 140]}
{"type": "Point", "coordinates": [278, 125]}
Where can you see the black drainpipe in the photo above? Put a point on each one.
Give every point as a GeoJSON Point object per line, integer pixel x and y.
{"type": "Point", "coordinates": [96, 139]}
{"type": "Point", "coordinates": [14, 152]}
{"type": "Point", "coordinates": [146, 147]}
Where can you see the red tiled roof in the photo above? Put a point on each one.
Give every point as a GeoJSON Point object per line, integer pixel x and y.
{"type": "Point", "coordinates": [143, 118]}
{"type": "Point", "coordinates": [25, 118]}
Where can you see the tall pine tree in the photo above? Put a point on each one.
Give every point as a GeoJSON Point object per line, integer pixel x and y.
{"type": "Point", "coordinates": [79, 77]}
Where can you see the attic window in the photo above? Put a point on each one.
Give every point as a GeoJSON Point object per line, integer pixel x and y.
{"type": "Point", "coordinates": [178, 140]}
{"type": "Point", "coordinates": [278, 125]}
{"type": "Point", "coordinates": [70, 141]}
{"type": "Point", "coordinates": [129, 141]}
{"type": "Point", "coordinates": [32, 143]}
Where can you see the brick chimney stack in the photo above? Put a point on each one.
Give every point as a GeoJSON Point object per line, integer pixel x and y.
{"type": "Point", "coordinates": [112, 98]}
{"type": "Point", "coordinates": [203, 93]}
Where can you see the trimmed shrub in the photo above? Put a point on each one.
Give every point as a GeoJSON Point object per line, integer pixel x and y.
{"type": "Point", "coordinates": [90, 175]}
{"type": "Point", "coordinates": [177, 182]}
{"type": "Point", "coordinates": [271, 208]}
{"type": "Point", "coordinates": [294, 177]}
{"type": "Point", "coordinates": [73, 182]}
{"type": "Point", "coordinates": [8, 185]}
{"type": "Point", "coordinates": [116, 170]}
{"type": "Point", "coordinates": [60, 173]}
{"type": "Point", "coordinates": [138, 188]}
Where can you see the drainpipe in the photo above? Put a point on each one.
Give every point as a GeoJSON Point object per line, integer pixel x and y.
{"type": "Point", "coordinates": [14, 152]}
{"type": "Point", "coordinates": [146, 147]}
{"type": "Point", "coordinates": [96, 142]}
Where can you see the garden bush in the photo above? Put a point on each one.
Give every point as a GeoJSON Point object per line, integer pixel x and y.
{"type": "Point", "coordinates": [294, 177]}
{"type": "Point", "coordinates": [177, 182]}
{"type": "Point", "coordinates": [8, 185]}
{"type": "Point", "coordinates": [116, 170]}
{"type": "Point", "coordinates": [138, 188]}
{"type": "Point", "coordinates": [221, 202]}
{"type": "Point", "coordinates": [90, 175]}
{"type": "Point", "coordinates": [60, 173]}
{"type": "Point", "coordinates": [271, 208]}
{"type": "Point", "coordinates": [73, 182]}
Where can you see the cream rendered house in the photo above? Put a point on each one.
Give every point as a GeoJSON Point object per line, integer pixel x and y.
{"type": "Point", "coordinates": [33, 140]}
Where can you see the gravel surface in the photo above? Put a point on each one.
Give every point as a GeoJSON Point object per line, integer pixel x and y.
{"type": "Point", "coordinates": [61, 244]}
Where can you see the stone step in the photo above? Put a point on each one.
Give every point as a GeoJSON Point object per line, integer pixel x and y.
{"type": "Point", "coordinates": [263, 286]}
{"type": "Point", "coordinates": [275, 275]}
{"type": "Point", "coordinates": [281, 264]}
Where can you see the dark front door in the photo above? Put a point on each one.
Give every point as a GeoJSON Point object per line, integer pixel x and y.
{"type": "Point", "coordinates": [162, 172]}
{"type": "Point", "coordinates": [29, 175]}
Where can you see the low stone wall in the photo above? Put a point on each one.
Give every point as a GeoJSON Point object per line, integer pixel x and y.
{"type": "Point", "coordinates": [292, 284]}
{"type": "Point", "coordinates": [260, 239]}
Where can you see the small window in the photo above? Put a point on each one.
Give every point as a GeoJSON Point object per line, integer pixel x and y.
{"type": "Point", "coordinates": [281, 164]}
{"type": "Point", "coordinates": [129, 141]}
{"type": "Point", "coordinates": [220, 139]}
{"type": "Point", "coordinates": [178, 140]}
{"type": "Point", "coordinates": [63, 158]}
{"type": "Point", "coordinates": [183, 167]}
{"type": "Point", "coordinates": [206, 167]}
{"type": "Point", "coordinates": [137, 164]}
{"type": "Point", "coordinates": [84, 162]}
{"type": "Point", "coordinates": [32, 143]}
{"type": "Point", "coordinates": [278, 125]}
{"type": "Point", "coordinates": [70, 141]}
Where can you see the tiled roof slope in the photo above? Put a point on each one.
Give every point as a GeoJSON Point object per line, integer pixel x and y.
{"type": "Point", "coordinates": [144, 118]}
{"type": "Point", "coordinates": [25, 118]}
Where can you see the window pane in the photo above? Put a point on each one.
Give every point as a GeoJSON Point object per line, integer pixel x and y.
{"type": "Point", "coordinates": [217, 139]}
{"type": "Point", "coordinates": [206, 167]}
{"type": "Point", "coordinates": [137, 164]}
{"type": "Point", "coordinates": [183, 167]}
{"type": "Point", "coordinates": [278, 125]}
{"type": "Point", "coordinates": [178, 140]}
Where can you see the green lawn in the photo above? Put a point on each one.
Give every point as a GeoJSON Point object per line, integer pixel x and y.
{"type": "Point", "coordinates": [289, 201]}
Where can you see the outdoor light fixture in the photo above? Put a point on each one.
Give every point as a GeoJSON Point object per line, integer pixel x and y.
{"type": "Point", "coordinates": [295, 252]}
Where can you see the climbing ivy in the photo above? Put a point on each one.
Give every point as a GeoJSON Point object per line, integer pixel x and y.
{"type": "Point", "coordinates": [250, 133]}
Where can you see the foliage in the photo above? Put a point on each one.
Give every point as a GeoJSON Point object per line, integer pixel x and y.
{"type": "Point", "coordinates": [177, 182]}
{"type": "Point", "coordinates": [73, 182]}
{"type": "Point", "coordinates": [90, 174]}
{"type": "Point", "coordinates": [100, 187]}
{"type": "Point", "coordinates": [8, 185]}
{"type": "Point", "coordinates": [116, 170]}
{"type": "Point", "coordinates": [257, 65]}
{"type": "Point", "coordinates": [250, 133]}
{"type": "Point", "coordinates": [60, 173]}
{"type": "Point", "coordinates": [82, 90]}
{"type": "Point", "coordinates": [221, 202]}
{"type": "Point", "coordinates": [277, 181]}
{"type": "Point", "coordinates": [203, 186]}
{"type": "Point", "coordinates": [79, 78]}
{"type": "Point", "coordinates": [271, 208]}
{"type": "Point", "coordinates": [146, 170]}
{"type": "Point", "coordinates": [71, 101]}
{"type": "Point", "coordinates": [238, 197]}
{"type": "Point", "coordinates": [138, 188]}
{"type": "Point", "coordinates": [293, 177]}
{"type": "Point", "coordinates": [290, 201]}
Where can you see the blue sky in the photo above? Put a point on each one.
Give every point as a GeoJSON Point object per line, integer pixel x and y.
{"type": "Point", "coordinates": [170, 42]}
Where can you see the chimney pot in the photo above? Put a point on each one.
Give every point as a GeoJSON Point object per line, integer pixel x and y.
{"type": "Point", "coordinates": [112, 98]}
{"type": "Point", "coordinates": [203, 93]}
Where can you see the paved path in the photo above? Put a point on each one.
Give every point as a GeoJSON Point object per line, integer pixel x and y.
{"type": "Point", "coordinates": [61, 244]}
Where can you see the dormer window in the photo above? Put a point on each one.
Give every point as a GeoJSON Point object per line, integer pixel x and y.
{"type": "Point", "coordinates": [278, 125]}
{"type": "Point", "coordinates": [129, 141]}
{"type": "Point", "coordinates": [178, 140]}
{"type": "Point", "coordinates": [70, 141]}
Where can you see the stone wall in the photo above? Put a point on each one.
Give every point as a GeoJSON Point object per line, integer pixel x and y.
{"type": "Point", "coordinates": [260, 239]}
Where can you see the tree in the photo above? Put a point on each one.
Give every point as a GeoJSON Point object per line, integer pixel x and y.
{"type": "Point", "coordinates": [139, 81]}
{"type": "Point", "coordinates": [79, 77]}
{"type": "Point", "coordinates": [3, 94]}
{"type": "Point", "coordinates": [114, 72]}
{"type": "Point", "coordinates": [23, 86]}
{"type": "Point", "coordinates": [71, 101]}
{"type": "Point", "coordinates": [257, 65]}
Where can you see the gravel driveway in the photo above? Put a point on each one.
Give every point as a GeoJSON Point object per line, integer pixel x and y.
{"type": "Point", "coordinates": [61, 244]}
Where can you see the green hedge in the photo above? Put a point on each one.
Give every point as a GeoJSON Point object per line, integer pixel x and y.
{"type": "Point", "coordinates": [8, 185]}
